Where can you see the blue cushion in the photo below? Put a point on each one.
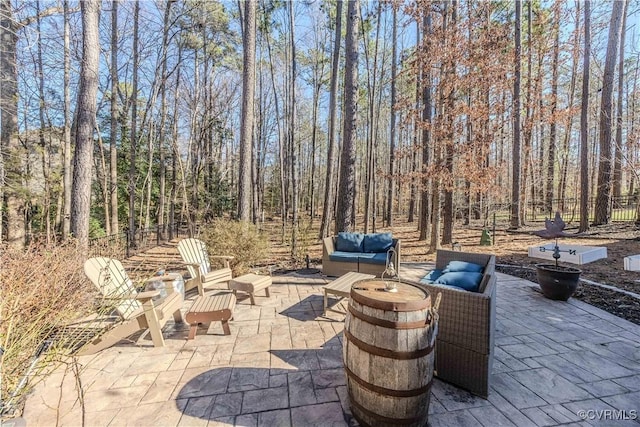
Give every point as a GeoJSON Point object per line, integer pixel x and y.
{"type": "Point", "coordinates": [432, 276]}
{"type": "Point", "coordinates": [378, 258]}
{"type": "Point", "coordinates": [349, 242]}
{"type": "Point", "coordinates": [454, 266]}
{"type": "Point", "coordinates": [461, 279]}
{"type": "Point", "coordinates": [344, 256]}
{"type": "Point", "coordinates": [377, 242]}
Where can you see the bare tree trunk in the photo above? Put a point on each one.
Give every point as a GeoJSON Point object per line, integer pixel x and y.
{"type": "Point", "coordinates": [618, 146]}
{"type": "Point", "coordinates": [46, 162]}
{"type": "Point", "coordinates": [145, 205]}
{"type": "Point", "coordinates": [246, 129]}
{"type": "Point", "coordinates": [369, 203]}
{"type": "Point", "coordinates": [603, 195]}
{"type": "Point", "coordinates": [345, 212]}
{"type": "Point", "coordinates": [318, 82]}
{"type": "Point", "coordinates": [532, 167]}
{"type": "Point", "coordinates": [86, 116]}
{"type": "Point", "coordinates": [447, 208]}
{"type": "Point", "coordinates": [113, 144]}
{"type": "Point", "coordinates": [332, 150]}
{"type": "Point", "coordinates": [103, 182]}
{"type": "Point", "coordinates": [292, 136]}
{"type": "Point", "coordinates": [280, 137]}
{"type": "Point", "coordinates": [527, 128]}
{"type": "Point", "coordinates": [584, 123]}
{"type": "Point", "coordinates": [515, 184]}
{"type": "Point", "coordinates": [314, 138]}
{"type": "Point", "coordinates": [175, 154]}
{"type": "Point", "coordinates": [551, 159]}
{"type": "Point", "coordinates": [422, 224]}
{"type": "Point", "coordinates": [392, 122]}
{"type": "Point", "coordinates": [66, 180]}
{"type": "Point", "coordinates": [569, 121]}
{"type": "Point", "coordinates": [426, 81]}
{"type": "Point", "coordinates": [163, 122]}
{"type": "Point", "coordinates": [134, 131]}
{"type": "Point", "coordinates": [12, 154]}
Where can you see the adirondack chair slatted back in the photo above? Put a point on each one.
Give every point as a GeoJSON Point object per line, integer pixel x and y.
{"type": "Point", "coordinates": [194, 251]}
{"type": "Point", "coordinates": [111, 279]}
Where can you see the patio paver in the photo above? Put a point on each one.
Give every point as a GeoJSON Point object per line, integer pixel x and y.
{"type": "Point", "coordinates": [555, 363]}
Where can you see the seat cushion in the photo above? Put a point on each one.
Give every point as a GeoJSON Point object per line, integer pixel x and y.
{"type": "Point", "coordinates": [379, 258]}
{"type": "Point", "coordinates": [377, 242]}
{"type": "Point", "coordinates": [455, 266]}
{"type": "Point", "coordinates": [469, 281]}
{"type": "Point", "coordinates": [349, 242]}
{"type": "Point", "coordinates": [432, 276]}
{"type": "Point", "coordinates": [342, 256]}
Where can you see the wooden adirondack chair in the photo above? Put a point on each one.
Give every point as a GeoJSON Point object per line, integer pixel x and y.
{"type": "Point", "coordinates": [196, 257]}
{"type": "Point", "coordinates": [132, 310]}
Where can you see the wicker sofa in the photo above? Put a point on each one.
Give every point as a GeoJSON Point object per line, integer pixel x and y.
{"type": "Point", "coordinates": [360, 262]}
{"type": "Point", "coordinates": [466, 330]}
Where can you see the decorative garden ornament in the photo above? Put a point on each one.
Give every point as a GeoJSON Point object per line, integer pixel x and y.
{"type": "Point", "coordinates": [556, 282]}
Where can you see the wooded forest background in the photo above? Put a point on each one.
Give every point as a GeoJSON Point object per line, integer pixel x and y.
{"type": "Point", "coordinates": [122, 115]}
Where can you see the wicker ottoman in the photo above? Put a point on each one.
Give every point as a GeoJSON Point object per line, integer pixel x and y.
{"type": "Point", "coordinates": [250, 283]}
{"type": "Point", "coordinates": [211, 308]}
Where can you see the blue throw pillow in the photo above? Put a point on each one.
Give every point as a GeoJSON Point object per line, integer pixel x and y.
{"type": "Point", "coordinates": [461, 279]}
{"type": "Point", "coordinates": [432, 276]}
{"type": "Point", "coordinates": [349, 242]}
{"type": "Point", "coordinates": [377, 242]}
{"type": "Point", "coordinates": [470, 267]}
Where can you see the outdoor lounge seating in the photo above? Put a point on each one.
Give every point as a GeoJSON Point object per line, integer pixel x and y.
{"type": "Point", "coordinates": [132, 310]}
{"type": "Point", "coordinates": [362, 253]}
{"type": "Point", "coordinates": [465, 342]}
{"type": "Point", "coordinates": [198, 262]}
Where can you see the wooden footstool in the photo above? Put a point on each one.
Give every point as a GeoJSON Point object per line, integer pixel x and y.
{"type": "Point", "coordinates": [250, 283]}
{"type": "Point", "coordinates": [211, 308]}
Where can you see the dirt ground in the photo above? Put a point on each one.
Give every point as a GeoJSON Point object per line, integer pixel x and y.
{"type": "Point", "coordinates": [511, 250]}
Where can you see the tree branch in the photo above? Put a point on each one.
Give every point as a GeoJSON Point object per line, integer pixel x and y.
{"type": "Point", "coordinates": [47, 12]}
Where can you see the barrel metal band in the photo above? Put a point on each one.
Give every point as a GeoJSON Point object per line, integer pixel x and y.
{"type": "Point", "coordinates": [383, 352]}
{"type": "Point", "coordinates": [387, 391]}
{"type": "Point", "coordinates": [388, 323]}
{"type": "Point", "coordinates": [380, 418]}
{"type": "Point", "coordinates": [415, 305]}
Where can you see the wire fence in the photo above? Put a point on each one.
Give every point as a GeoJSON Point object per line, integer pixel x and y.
{"type": "Point", "coordinates": [622, 209]}
{"type": "Point", "coordinates": [126, 244]}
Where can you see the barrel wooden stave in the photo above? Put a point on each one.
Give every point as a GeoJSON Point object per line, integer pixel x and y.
{"type": "Point", "coordinates": [389, 391]}
{"type": "Point", "coordinates": [414, 408]}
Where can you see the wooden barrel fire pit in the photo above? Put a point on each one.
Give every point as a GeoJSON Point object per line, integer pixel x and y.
{"type": "Point", "coordinates": [388, 353]}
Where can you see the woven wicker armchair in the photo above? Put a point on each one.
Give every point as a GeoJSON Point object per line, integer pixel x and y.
{"type": "Point", "coordinates": [465, 341]}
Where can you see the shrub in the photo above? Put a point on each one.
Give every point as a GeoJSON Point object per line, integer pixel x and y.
{"type": "Point", "coordinates": [307, 235]}
{"type": "Point", "coordinates": [41, 289]}
{"type": "Point", "coordinates": [242, 240]}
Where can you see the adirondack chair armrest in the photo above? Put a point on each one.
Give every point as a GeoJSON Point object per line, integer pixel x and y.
{"type": "Point", "coordinates": [118, 297]}
{"type": "Point", "coordinates": [224, 258]}
{"type": "Point", "coordinates": [195, 268]}
{"type": "Point", "coordinates": [164, 278]}
{"type": "Point", "coordinates": [140, 296]}
{"type": "Point", "coordinates": [195, 265]}
{"type": "Point", "coordinates": [146, 295]}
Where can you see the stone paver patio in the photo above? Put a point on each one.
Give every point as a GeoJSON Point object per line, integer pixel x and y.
{"type": "Point", "coordinates": [555, 363]}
